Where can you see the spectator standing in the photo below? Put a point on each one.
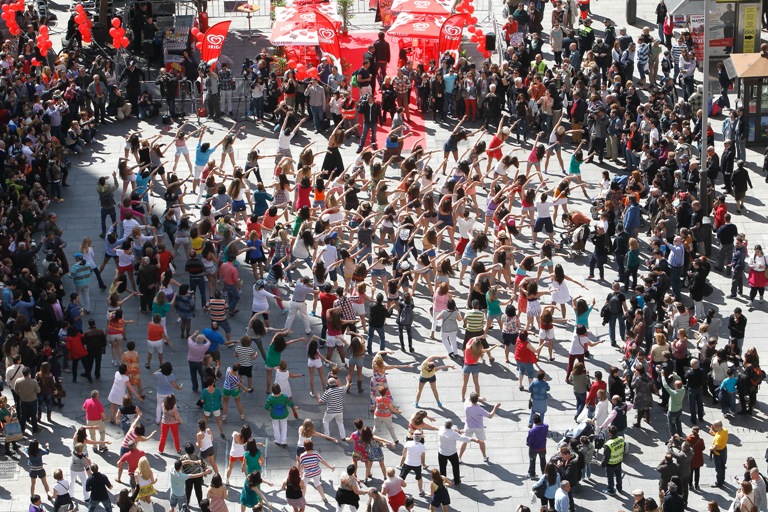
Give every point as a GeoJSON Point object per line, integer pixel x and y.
{"type": "Point", "coordinates": [537, 445]}
{"type": "Point", "coordinates": [27, 389]}
{"type": "Point", "coordinates": [613, 456]}
{"type": "Point", "coordinates": [719, 451]}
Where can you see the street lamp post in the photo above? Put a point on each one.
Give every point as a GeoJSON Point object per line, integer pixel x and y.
{"type": "Point", "coordinates": [705, 96]}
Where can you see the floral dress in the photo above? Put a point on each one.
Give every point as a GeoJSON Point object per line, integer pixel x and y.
{"type": "Point", "coordinates": [378, 379]}
{"type": "Point", "coordinates": [359, 452]}
{"type": "Point", "coordinates": [374, 451]}
{"type": "Point", "coordinates": [134, 372]}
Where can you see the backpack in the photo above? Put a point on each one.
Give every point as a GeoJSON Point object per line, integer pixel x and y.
{"type": "Point", "coordinates": [106, 198]}
{"type": "Point", "coordinates": [68, 316]}
{"type": "Point", "coordinates": [354, 83]}
{"type": "Point", "coordinates": [405, 317]}
{"type": "Point", "coordinates": [758, 375]}
{"type": "Point", "coordinates": [614, 304]}
{"type": "Point", "coordinates": [666, 65]}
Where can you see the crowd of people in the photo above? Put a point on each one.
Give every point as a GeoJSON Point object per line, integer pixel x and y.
{"type": "Point", "coordinates": [469, 227]}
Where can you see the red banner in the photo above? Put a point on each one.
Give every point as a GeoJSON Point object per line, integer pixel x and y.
{"type": "Point", "coordinates": [213, 42]}
{"type": "Point", "coordinates": [450, 33]}
{"type": "Point", "coordinates": [327, 36]}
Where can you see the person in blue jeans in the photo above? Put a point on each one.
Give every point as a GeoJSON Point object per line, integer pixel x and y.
{"type": "Point", "coordinates": [376, 318]}
{"type": "Point", "coordinates": [371, 112]}
{"type": "Point", "coordinates": [617, 306]}
{"type": "Point", "coordinates": [727, 396]}
{"type": "Point", "coordinates": [316, 97]}
{"type": "Point", "coordinates": [539, 390]}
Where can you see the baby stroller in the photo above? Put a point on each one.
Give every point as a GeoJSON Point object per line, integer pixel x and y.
{"type": "Point", "coordinates": [576, 239]}
{"type": "Point", "coordinates": [596, 208]}
{"type": "Point", "coordinates": [584, 429]}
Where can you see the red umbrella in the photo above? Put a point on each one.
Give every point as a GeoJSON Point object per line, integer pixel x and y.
{"type": "Point", "coordinates": [421, 26]}
{"type": "Point", "coordinates": [421, 7]}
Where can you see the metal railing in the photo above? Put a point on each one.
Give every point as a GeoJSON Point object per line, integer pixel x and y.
{"type": "Point", "coordinates": [188, 97]}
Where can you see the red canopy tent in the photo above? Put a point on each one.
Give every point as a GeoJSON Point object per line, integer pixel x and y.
{"type": "Point", "coordinates": [417, 26]}
{"type": "Point", "coordinates": [432, 7]}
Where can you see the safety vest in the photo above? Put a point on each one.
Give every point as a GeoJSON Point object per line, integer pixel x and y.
{"type": "Point", "coordinates": [616, 446]}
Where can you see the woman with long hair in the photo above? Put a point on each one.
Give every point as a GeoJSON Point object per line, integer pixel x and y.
{"type": "Point", "coordinates": [379, 376]}
{"type": "Point", "coordinates": [217, 495]}
{"type": "Point", "coordinates": [355, 360]}
{"type": "Point", "coordinates": [170, 420]}
{"type": "Point", "coordinates": [145, 480]}
{"type": "Point", "coordinates": [439, 304]}
{"type": "Point", "coordinates": [295, 489]}
{"type": "Point", "coordinates": [550, 480]}
{"type": "Point", "coordinates": [252, 496]}
{"type": "Point", "coordinates": [473, 354]}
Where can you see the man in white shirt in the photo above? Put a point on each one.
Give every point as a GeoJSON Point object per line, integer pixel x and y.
{"type": "Point", "coordinates": [413, 458]}
{"type": "Point", "coordinates": [464, 225]}
{"type": "Point", "coordinates": [448, 436]}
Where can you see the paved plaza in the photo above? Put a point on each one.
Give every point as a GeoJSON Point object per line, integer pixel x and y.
{"type": "Point", "coordinates": [501, 483]}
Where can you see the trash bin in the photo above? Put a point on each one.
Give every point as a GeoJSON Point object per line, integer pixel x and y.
{"type": "Point", "coordinates": [705, 237]}
{"type": "Point", "coordinates": [631, 12]}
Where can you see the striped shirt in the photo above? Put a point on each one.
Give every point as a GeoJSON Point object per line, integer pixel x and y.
{"type": "Point", "coordinates": [231, 379]}
{"type": "Point", "coordinates": [677, 49]}
{"type": "Point", "coordinates": [643, 53]}
{"type": "Point", "coordinates": [334, 399]}
{"type": "Point", "coordinates": [244, 355]}
{"type": "Point", "coordinates": [218, 310]}
{"type": "Point", "coordinates": [115, 327]}
{"type": "Point", "coordinates": [475, 320]}
{"type": "Point", "coordinates": [310, 462]}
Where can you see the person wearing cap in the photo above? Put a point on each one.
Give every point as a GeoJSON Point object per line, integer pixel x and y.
{"type": "Point", "coordinates": [131, 458]}
{"type": "Point", "coordinates": [413, 458]}
{"type": "Point", "coordinates": [333, 398]}
{"type": "Point", "coordinates": [586, 36]}
{"type": "Point", "coordinates": [613, 456]}
{"type": "Point", "coordinates": [80, 273]}
{"type": "Point", "coordinates": [298, 306]}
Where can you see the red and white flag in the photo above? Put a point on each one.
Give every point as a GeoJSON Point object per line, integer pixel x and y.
{"type": "Point", "coordinates": [327, 35]}
{"type": "Point", "coordinates": [213, 42]}
{"type": "Point", "coordinates": [450, 33]}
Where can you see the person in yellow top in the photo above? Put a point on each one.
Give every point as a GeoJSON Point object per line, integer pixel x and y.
{"type": "Point", "coordinates": [719, 451]}
{"type": "Point", "coordinates": [427, 375]}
